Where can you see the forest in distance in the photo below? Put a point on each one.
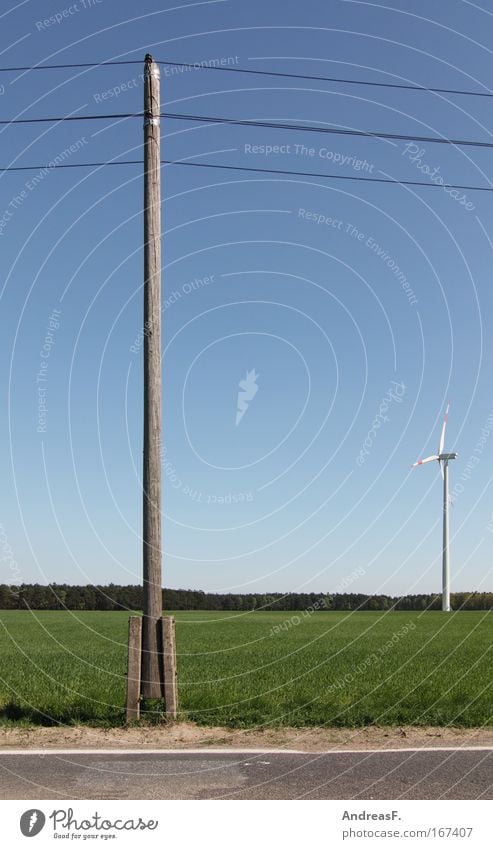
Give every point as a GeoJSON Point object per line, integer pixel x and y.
{"type": "Point", "coordinates": [116, 597]}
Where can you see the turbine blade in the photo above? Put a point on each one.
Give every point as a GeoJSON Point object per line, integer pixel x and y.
{"type": "Point", "coordinates": [426, 460]}
{"type": "Point", "coordinates": [440, 463]}
{"type": "Point", "coordinates": [442, 435]}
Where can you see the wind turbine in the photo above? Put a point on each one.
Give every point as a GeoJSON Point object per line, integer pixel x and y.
{"type": "Point", "coordinates": [443, 461]}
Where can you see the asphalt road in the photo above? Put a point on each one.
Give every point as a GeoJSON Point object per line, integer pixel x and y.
{"type": "Point", "coordinates": [403, 774]}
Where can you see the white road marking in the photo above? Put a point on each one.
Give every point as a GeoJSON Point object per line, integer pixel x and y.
{"type": "Point", "coordinates": [227, 751]}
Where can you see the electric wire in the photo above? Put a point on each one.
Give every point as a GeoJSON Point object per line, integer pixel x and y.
{"type": "Point", "coordinates": [203, 66]}
{"type": "Point", "coordinates": [246, 122]}
{"type": "Point", "coordinates": [277, 171]}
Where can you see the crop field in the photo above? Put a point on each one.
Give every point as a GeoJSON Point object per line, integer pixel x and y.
{"type": "Point", "coordinates": [247, 669]}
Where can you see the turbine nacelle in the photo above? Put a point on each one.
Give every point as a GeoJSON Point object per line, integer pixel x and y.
{"type": "Point", "coordinates": [441, 457]}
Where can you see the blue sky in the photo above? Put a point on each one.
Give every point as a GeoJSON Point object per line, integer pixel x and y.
{"type": "Point", "coordinates": [352, 302]}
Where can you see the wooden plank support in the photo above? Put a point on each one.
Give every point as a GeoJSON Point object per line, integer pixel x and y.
{"type": "Point", "coordinates": [169, 666]}
{"type": "Point", "coordinates": [134, 668]}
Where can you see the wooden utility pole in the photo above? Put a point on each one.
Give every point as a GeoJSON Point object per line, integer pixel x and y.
{"type": "Point", "coordinates": [152, 685]}
{"type": "Point", "coordinates": [151, 639]}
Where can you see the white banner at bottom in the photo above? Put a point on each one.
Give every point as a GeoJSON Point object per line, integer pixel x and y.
{"type": "Point", "coordinates": [220, 824]}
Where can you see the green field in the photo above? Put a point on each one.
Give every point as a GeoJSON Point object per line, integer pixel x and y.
{"type": "Point", "coordinates": [257, 668]}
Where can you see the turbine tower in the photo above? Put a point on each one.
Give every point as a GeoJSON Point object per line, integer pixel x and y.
{"type": "Point", "coordinates": [443, 461]}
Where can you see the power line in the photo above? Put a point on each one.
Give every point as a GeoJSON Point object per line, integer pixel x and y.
{"type": "Point", "coordinates": [329, 176]}
{"type": "Point", "coordinates": [203, 66]}
{"type": "Point", "coordinates": [70, 65]}
{"type": "Point", "coordinates": [253, 170]}
{"type": "Point", "coordinates": [63, 118]}
{"type": "Point", "coordinates": [244, 122]}
{"type": "Point", "coordinates": [200, 66]}
{"type": "Point", "coordinates": [331, 130]}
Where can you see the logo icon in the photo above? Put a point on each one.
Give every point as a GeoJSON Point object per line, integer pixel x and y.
{"type": "Point", "coordinates": [32, 822]}
{"type": "Point", "coordinates": [249, 390]}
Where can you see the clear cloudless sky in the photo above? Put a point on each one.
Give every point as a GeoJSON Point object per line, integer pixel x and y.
{"type": "Point", "coordinates": [361, 307]}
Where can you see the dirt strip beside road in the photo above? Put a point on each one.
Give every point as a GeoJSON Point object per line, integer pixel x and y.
{"type": "Point", "coordinates": [187, 735]}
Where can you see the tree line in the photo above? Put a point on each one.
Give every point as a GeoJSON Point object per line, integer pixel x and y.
{"type": "Point", "coordinates": [115, 597]}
